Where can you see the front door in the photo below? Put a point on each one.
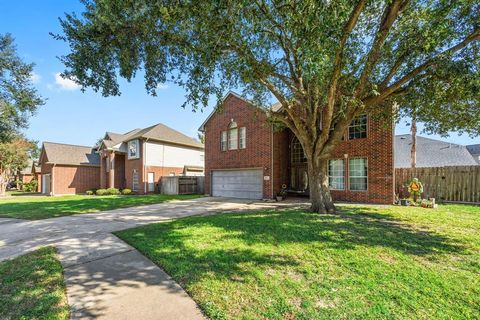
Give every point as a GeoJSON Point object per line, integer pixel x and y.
{"type": "Point", "coordinates": [151, 181]}
{"type": "Point", "coordinates": [46, 184]}
{"type": "Point", "coordinates": [299, 179]}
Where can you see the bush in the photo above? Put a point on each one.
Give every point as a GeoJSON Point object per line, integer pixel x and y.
{"type": "Point", "coordinates": [126, 192]}
{"type": "Point", "coordinates": [90, 192]}
{"type": "Point", "coordinates": [113, 191]}
{"type": "Point", "coordinates": [30, 186]}
{"type": "Point", "coordinates": [101, 192]}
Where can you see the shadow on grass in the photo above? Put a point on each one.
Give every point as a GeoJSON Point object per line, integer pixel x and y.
{"type": "Point", "coordinates": [188, 255]}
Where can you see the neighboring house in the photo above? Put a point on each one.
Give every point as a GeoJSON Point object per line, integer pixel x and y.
{"type": "Point", "coordinates": [68, 169]}
{"type": "Point", "coordinates": [431, 153]}
{"type": "Point", "coordinates": [36, 170]}
{"type": "Point", "coordinates": [25, 175]}
{"type": "Point", "coordinates": [246, 158]}
{"type": "Point", "coordinates": [474, 150]}
{"type": "Point", "coordinates": [139, 158]}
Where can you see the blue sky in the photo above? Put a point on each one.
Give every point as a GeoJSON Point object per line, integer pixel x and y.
{"type": "Point", "coordinates": [71, 116]}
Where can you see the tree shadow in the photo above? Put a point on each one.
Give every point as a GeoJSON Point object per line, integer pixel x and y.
{"type": "Point", "coordinates": [172, 248]}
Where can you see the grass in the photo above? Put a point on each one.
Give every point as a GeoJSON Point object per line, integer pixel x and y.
{"type": "Point", "coordinates": [32, 287]}
{"type": "Point", "coordinates": [363, 263]}
{"type": "Point", "coordinates": [42, 207]}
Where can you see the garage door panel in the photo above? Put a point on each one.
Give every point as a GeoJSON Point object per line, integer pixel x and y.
{"type": "Point", "coordinates": [247, 184]}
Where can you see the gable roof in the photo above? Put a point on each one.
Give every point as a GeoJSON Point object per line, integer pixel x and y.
{"type": "Point", "coordinates": [68, 154]}
{"type": "Point", "coordinates": [158, 132]}
{"type": "Point", "coordinates": [431, 153]}
{"type": "Point", "coordinates": [276, 107]}
{"type": "Point", "coordinates": [28, 168]}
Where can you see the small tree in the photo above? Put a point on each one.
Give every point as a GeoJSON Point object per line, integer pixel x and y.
{"type": "Point", "coordinates": [14, 156]}
{"type": "Point", "coordinates": [326, 62]}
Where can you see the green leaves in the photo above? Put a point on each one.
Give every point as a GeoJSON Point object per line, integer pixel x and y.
{"type": "Point", "coordinates": [18, 98]}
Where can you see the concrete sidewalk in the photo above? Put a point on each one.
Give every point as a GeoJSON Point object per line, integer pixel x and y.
{"type": "Point", "coordinates": [105, 277]}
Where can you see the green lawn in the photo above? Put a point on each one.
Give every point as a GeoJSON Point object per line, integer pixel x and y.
{"type": "Point", "coordinates": [40, 207]}
{"type": "Point", "coordinates": [32, 287]}
{"type": "Point", "coordinates": [364, 263]}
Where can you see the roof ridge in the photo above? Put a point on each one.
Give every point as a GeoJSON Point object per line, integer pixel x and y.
{"type": "Point", "coordinates": [68, 144]}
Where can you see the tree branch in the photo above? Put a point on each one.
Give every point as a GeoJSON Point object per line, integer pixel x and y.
{"type": "Point", "coordinates": [474, 36]}
{"type": "Point", "coordinates": [389, 16]}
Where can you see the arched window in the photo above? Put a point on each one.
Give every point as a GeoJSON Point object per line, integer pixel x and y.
{"type": "Point", "coordinates": [298, 156]}
{"type": "Point", "coordinates": [232, 136]}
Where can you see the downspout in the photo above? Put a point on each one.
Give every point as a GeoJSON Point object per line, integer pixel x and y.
{"type": "Point", "coordinates": [52, 181]}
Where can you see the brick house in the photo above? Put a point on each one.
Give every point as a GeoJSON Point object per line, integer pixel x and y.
{"type": "Point", "coordinates": [139, 158]}
{"type": "Point", "coordinates": [26, 175]}
{"type": "Point", "coordinates": [135, 160]}
{"type": "Point", "coordinates": [246, 158]}
{"type": "Point", "coordinates": [68, 169]}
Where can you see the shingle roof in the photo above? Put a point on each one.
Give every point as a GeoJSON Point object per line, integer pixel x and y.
{"type": "Point", "coordinates": [474, 150]}
{"type": "Point", "coordinates": [28, 167]}
{"type": "Point", "coordinates": [431, 153]}
{"type": "Point", "coordinates": [158, 132]}
{"type": "Point", "coordinates": [68, 154]}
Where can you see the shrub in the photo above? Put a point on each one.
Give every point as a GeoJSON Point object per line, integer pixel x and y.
{"type": "Point", "coordinates": [101, 192]}
{"type": "Point", "coordinates": [30, 186]}
{"type": "Point", "coordinates": [126, 191]}
{"type": "Point", "coordinates": [113, 191]}
{"type": "Point", "coordinates": [90, 192]}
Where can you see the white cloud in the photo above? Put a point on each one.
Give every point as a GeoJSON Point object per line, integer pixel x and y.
{"type": "Point", "coordinates": [64, 83]}
{"type": "Point", "coordinates": [162, 86]}
{"type": "Point", "coordinates": [35, 77]}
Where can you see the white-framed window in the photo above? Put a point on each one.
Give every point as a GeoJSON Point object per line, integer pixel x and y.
{"type": "Point", "coordinates": [357, 174]}
{"type": "Point", "coordinates": [223, 141]}
{"type": "Point", "coordinates": [358, 128]}
{"type": "Point", "coordinates": [232, 136]}
{"type": "Point", "coordinates": [135, 181]}
{"type": "Point", "coordinates": [134, 149]}
{"type": "Point", "coordinates": [336, 174]}
{"type": "Point", "coordinates": [298, 155]}
{"type": "Point", "coordinates": [243, 137]}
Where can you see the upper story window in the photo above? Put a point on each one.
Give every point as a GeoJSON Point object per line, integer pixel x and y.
{"type": "Point", "coordinates": [232, 136]}
{"type": "Point", "coordinates": [243, 138]}
{"type": "Point", "coordinates": [134, 149]}
{"type": "Point", "coordinates": [223, 141]}
{"type": "Point", "coordinates": [358, 128]}
{"type": "Point", "coordinates": [298, 156]}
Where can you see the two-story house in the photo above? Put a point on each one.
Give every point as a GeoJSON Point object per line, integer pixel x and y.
{"type": "Point", "coordinates": [246, 158]}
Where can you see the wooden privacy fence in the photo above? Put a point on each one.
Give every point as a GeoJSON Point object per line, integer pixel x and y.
{"type": "Point", "coordinates": [458, 184]}
{"type": "Point", "coordinates": [182, 185]}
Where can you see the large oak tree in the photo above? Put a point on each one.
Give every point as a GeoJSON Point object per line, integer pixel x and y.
{"type": "Point", "coordinates": [325, 61]}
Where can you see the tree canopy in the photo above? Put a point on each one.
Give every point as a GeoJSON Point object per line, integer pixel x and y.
{"type": "Point", "coordinates": [324, 61]}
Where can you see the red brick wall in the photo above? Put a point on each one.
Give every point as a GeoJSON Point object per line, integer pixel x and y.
{"type": "Point", "coordinates": [75, 179]}
{"type": "Point", "coordinates": [378, 149]}
{"type": "Point", "coordinates": [259, 141]}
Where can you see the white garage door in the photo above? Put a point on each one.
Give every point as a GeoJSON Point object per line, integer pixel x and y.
{"type": "Point", "coordinates": [245, 184]}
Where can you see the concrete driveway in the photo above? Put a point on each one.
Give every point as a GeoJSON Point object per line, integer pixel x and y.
{"type": "Point", "coordinates": [105, 277]}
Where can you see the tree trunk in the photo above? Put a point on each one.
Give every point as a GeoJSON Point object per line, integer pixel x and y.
{"type": "Point", "coordinates": [320, 196]}
{"type": "Point", "coordinates": [413, 151]}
